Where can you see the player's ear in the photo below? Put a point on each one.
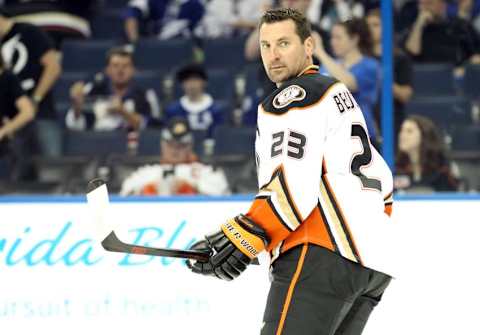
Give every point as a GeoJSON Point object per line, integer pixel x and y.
{"type": "Point", "coordinates": [309, 46]}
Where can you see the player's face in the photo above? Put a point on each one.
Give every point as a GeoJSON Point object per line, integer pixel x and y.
{"type": "Point", "coordinates": [193, 87]}
{"type": "Point", "coordinates": [410, 137]}
{"type": "Point", "coordinates": [375, 27]}
{"type": "Point", "coordinates": [283, 53]}
{"type": "Point", "coordinates": [120, 70]}
{"type": "Point", "coordinates": [341, 42]}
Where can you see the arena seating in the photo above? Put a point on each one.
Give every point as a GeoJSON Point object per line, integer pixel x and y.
{"type": "Point", "coordinates": [166, 56]}
{"type": "Point", "coordinates": [85, 56]}
{"type": "Point", "coordinates": [433, 80]}
{"type": "Point", "coordinates": [471, 81]}
{"type": "Point", "coordinates": [94, 143]}
{"type": "Point", "coordinates": [445, 111]}
{"type": "Point", "coordinates": [225, 53]}
{"type": "Point", "coordinates": [234, 141]}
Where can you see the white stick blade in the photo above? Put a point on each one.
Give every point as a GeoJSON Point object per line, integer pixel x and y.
{"type": "Point", "coordinates": [98, 204]}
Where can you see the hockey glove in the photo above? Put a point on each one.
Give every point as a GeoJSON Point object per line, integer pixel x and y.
{"type": "Point", "coordinates": [233, 247]}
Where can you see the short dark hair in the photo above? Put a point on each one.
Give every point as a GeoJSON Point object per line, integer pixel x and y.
{"type": "Point", "coordinates": [192, 71]}
{"type": "Point", "coordinates": [302, 26]}
{"type": "Point", "coordinates": [119, 51]}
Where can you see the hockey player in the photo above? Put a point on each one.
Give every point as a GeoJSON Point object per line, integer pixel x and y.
{"type": "Point", "coordinates": [322, 211]}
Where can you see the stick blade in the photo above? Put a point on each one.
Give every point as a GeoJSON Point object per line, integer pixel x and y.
{"type": "Point", "coordinates": [94, 184]}
{"type": "Point", "coordinates": [98, 203]}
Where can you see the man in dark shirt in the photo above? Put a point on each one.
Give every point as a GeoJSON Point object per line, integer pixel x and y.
{"type": "Point", "coordinates": [115, 101]}
{"type": "Point", "coordinates": [16, 111]}
{"type": "Point", "coordinates": [29, 53]}
{"type": "Point", "coordinates": [436, 38]}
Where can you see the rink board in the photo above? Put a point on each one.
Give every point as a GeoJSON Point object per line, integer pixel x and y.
{"type": "Point", "coordinates": [56, 280]}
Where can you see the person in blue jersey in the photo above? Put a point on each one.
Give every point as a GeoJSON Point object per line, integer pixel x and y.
{"type": "Point", "coordinates": [196, 105]}
{"type": "Point", "coordinates": [164, 18]}
{"type": "Point", "coordinates": [354, 65]}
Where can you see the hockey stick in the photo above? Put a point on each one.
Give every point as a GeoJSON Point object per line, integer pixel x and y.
{"type": "Point", "coordinates": [97, 199]}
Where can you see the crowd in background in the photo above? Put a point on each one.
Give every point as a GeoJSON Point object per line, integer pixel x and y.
{"type": "Point", "coordinates": [192, 134]}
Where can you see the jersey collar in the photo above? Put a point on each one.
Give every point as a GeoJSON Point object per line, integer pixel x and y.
{"type": "Point", "coordinates": [311, 69]}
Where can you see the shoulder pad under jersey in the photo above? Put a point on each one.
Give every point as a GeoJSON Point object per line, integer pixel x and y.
{"type": "Point", "coordinates": [298, 92]}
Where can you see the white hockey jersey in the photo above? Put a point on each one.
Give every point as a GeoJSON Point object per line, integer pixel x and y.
{"type": "Point", "coordinates": [321, 181]}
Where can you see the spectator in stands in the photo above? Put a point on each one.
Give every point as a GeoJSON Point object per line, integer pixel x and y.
{"type": "Point", "coordinates": [196, 105]}
{"type": "Point", "coordinates": [402, 72]}
{"type": "Point", "coordinates": [354, 66]}
{"type": "Point", "coordinates": [227, 18]}
{"type": "Point", "coordinates": [421, 163]}
{"type": "Point", "coordinates": [179, 171]}
{"type": "Point", "coordinates": [29, 53]}
{"type": "Point", "coordinates": [112, 100]}
{"type": "Point", "coordinates": [16, 112]}
{"type": "Point", "coordinates": [163, 18]}
{"type": "Point", "coordinates": [436, 38]}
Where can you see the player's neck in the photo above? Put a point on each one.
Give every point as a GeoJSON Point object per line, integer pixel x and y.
{"type": "Point", "coordinates": [5, 26]}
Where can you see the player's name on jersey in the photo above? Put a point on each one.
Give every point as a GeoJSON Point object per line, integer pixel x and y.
{"type": "Point", "coordinates": [344, 101]}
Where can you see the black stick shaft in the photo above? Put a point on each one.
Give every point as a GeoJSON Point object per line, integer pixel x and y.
{"type": "Point", "coordinates": [112, 243]}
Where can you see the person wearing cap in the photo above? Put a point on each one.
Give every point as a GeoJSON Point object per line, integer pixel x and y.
{"type": "Point", "coordinates": [196, 105]}
{"type": "Point", "coordinates": [178, 171]}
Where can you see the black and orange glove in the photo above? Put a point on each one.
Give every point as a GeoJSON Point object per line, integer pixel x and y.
{"type": "Point", "coordinates": [233, 247]}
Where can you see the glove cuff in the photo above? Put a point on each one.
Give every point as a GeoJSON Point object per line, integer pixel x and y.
{"type": "Point", "coordinates": [245, 235]}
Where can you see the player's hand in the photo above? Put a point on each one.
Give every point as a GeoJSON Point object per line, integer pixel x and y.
{"type": "Point", "coordinates": [233, 247]}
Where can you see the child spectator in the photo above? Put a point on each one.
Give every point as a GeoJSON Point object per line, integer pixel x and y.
{"type": "Point", "coordinates": [196, 105]}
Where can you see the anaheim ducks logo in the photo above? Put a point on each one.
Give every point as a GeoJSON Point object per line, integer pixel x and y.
{"type": "Point", "coordinates": [288, 95]}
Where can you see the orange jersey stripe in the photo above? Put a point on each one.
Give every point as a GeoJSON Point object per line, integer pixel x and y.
{"type": "Point", "coordinates": [291, 288]}
{"type": "Point", "coordinates": [312, 230]}
{"type": "Point", "coordinates": [263, 214]}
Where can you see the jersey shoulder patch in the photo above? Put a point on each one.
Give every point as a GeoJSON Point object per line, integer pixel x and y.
{"type": "Point", "coordinates": [299, 92]}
